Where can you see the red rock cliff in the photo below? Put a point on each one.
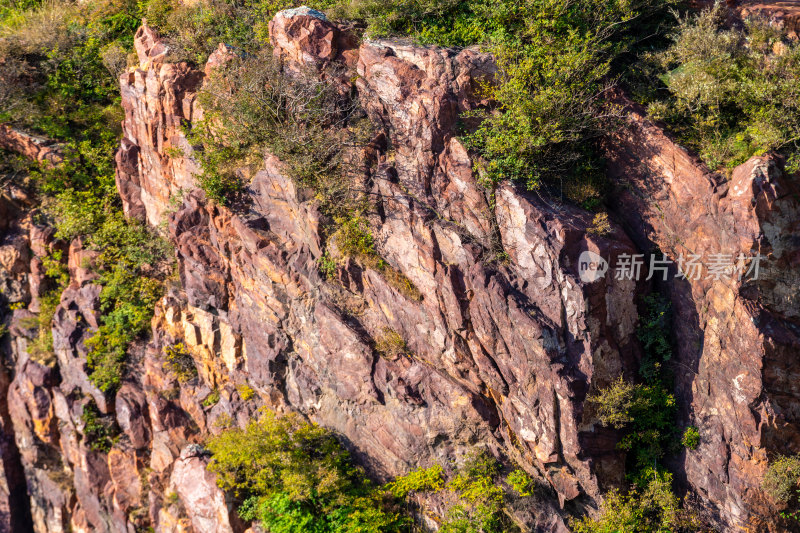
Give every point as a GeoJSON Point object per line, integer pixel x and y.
{"type": "Point", "coordinates": [501, 354]}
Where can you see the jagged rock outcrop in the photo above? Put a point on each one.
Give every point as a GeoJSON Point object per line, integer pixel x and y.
{"type": "Point", "coordinates": [501, 349]}
{"type": "Point", "coordinates": [738, 339]}
{"type": "Point", "coordinates": [502, 354]}
{"type": "Point", "coordinates": [30, 146]}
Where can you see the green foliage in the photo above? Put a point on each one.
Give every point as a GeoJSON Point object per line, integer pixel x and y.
{"type": "Point", "coordinates": [41, 347]}
{"type": "Point", "coordinates": [55, 269]}
{"type": "Point", "coordinates": [246, 392]}
{"type": "Point", "coordinates": [733, 91]}
{"type": "Point", "coordinates": [650, 507]}
{"type": "Point", "coordinates": [521, 482]}
{"type": "Point", "coordinates": [646, 411]}
{"type": "Point", "coordinates": [782, 482]}
{"type": "Point", "coordinates": [296, 477]}
{"type": "Point", "coordinates": [327, 266]}
{"type": "Point", "coordinates": [654, 327]}
{"type": "Point", "coordinates": [252, 106]}
{"type": "Point", "coordinates": [292, 476]}
{"type": "Point", "coordinates": [211, 399]}
{"type": "Point", "coordinates": [422, 480]}
{"type": "Point", "coordinates": [180, 362]}
{"type": "Point", "coordinates": [100, 434]}
{"type": "Point", "coordinates": [691, 438]}
{"type": "Point", "coordinates": [126, 302]}
{"type": "Point", "coordinates": [481, 499]}
{"type": "Point", "coordinates": [62, 61]}
{"type": "Point", "coordinates": [600, 225]}
{"type": "Point", "coordinates": [614, 403]}
{"type": "Point", "coordinates": [355, 239]}
{"type": "Point", "coordinates": [194, 30]}
{"type": "Point", "coordinates": [390, 344]}
{"type": "Point", "coordinates": [555, 59]}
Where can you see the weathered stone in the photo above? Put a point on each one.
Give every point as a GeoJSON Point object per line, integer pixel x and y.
{"type": "Point", "coordinates": [737, 338]}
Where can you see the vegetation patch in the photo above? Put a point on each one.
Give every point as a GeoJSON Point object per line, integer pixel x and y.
{"type": "Point", "coordinates": [180, 362]}
{"type": "Point", "coordinates": [99, 432]}
{"type": "Point", "coordinates": [246, 392]}
{"type": "Point", "coordinates": [290, 475]}
{"type": "Point", "coordinates": [691, 438]}
{"type": "Point", "coordinates": [212, 399]}
{"type": "Point", "coordinates": [294, 476]}
{"type": "Point", "coordinates": [731, 91]}
{"type": "Point", "coordinates": [62, 63]}
{"type": "Point", "coordinates": [390, 344]}
{"type": "Point", "coordinates": [650, 506]}
{"type": "Point", "coordinates": [782, 484]}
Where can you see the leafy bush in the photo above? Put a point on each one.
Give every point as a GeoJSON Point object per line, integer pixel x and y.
{"type": "Point", "coordinates": [180, 362]}
{"type": "Point", "coordinates": [481, 499]}
{"type": "Point", "coordinates": [645, 410]}
{"type": "Point", "coordinates": [600, 225]}
{"type": "Point", "coordinates": [327, 266]}
{"type": "Point", "coordinates": [782, 479]}
{"type": "Point", "coordinates": [193, 31]}
{"type": "Point", "coordinates": [212, 399]}
{"type": "Point", "coordinates": [654, 327]}
{"type": "Point", "coordinates": [293, 476]}
{"type": "Point", "coordinates": [422, 480]}
{"type": "Point", "coordinates": [62, 61]}
{"type": "Point", "coordinates": [650, 507]}
{"type": "Point", "coordinates": [691, 438]}
{"type": "Point", "coordinates": [100, 433]}
{"type": "Point", "coordinates": [521, 482]}
{"type": "Point", "coordinates": [246, 392]}
{"type": "Point", "coordinates": [41, 347]}
{"type": "Point", "coordinates": [733, 90]}
{"type": "Point", "coordinates": [390, 344]}
{"type": "Point", "coordinates": [252, 106]}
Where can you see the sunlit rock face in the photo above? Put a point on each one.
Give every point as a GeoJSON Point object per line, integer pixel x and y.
{"type": "Point", "coordinates": [502, 351]}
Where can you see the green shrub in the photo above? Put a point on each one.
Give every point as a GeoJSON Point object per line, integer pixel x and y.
{"type": "Point", "coordinates": [354, 238]}
{"type": "Point", "coordinates": [481, 499]}
{"type": "Point", "coordinates": [521, 482]}
{"type": "Point", "coordinates": [41, 347]}
{"type": "Point", "coordinates": [732, 90]}
{"type": "Point", "coordinates": [55, 269]}
{"type": "Point", "coordinates": [193, 31]}
{"type": "Point", "coordinates": [100, 433]}
{"type": "Point", "coordinates": [62, 60]}
{"type": "Point", "coordinates": [653, 332]}
{"type": "Point", "coordinates": [211, 399]}
{"type": "Point", "coordinates": [246, 392]}
{"type": "Point", "coordinates": [422, 480]}
{"type": "Point", "coordinates": [252, 106]}
{"type": "Point", "coordinates": [691, 438]}
{"type": "Point", "coordinates": [646, 412]}
{"type": "Point", "coordinates": [327, 266]}
{"type": "Point", "coordinates": [180, 362]}
{"type": "Point", "coordinates": [651, 507]}
{"type": "Point", "coordinates": [390, 344]}
{"type": "Point", "coordinates": [293, 476]}
{"type": "Point", "coordinates": [782, 479]}
{"type": "Point", "coordinates": [554, 58]}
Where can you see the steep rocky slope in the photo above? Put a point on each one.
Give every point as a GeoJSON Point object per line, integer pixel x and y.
{"type": "Point", "coordinates": [500, 353]}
